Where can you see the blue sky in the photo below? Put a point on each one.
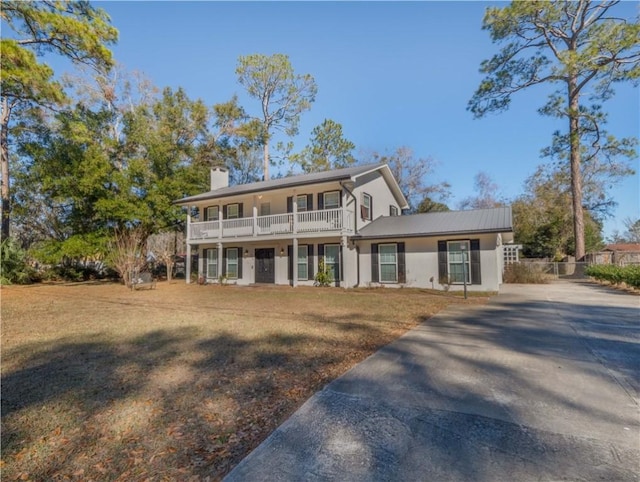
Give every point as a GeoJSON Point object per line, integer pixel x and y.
{"type": "Point", "coordinates": [392, 73]}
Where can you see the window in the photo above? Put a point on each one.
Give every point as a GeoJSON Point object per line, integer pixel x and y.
{"type": "Point", "coordinates": [265, 209]}
{"type": "Point", "coordinates": [458, 258]}
{"type": "Point", "coordinates": [332, 260]}
{"type": "Point", "coordinates": [303, 264]}
{"type": "Point", "coordinates": [232, 263]}
{"type": "Point", "coordinates": [301, 201]}
{"type": "Point", "coordinates": [212, 263]}
{"type": "Point", "coordinates": [331, 200]}
{"type": "Point", "coordinates": [212, 213]}
{"type": "Point", "coordinates": [366, 206]}
{"type": "Point", "coordinates": [388, 259]}
{"type": "Point", "coordinates": [232, 211]}
{"type": "Point", "coordinates": [393, 210]}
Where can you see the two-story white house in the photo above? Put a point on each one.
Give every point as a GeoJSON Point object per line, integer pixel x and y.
{"type": "Point", "coordinates": [277, 231]}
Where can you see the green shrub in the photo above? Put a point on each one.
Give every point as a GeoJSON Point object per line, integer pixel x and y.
{"type": "Point", "coordinates": [615, 274]}
{"type": "Point", "coordinates": [323, 277]}
{"type": "Point", "coordinates": [524, 273]}
{"type": "Point", "coordinates": [14, 267]}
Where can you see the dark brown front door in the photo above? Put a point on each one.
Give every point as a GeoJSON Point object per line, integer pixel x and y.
{"type": "Point", "coordinates": [265, 266]}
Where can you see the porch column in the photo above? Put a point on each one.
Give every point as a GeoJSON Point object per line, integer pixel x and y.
{"type": "Point", "coordinates": [220, 259]}
{"type": "Point", "coordinates": [201, 263]}
{"type": "Point", "coordinates": [294, 261]}
{"type": "Point", "coordinates": [188, 260]}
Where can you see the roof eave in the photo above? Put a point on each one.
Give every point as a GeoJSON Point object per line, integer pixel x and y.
{"type": "Point", "coordinates": [433, 234]}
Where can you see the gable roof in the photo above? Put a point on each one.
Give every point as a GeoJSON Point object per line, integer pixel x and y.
{"type": "Point", "coordinates": [631, 247]}
{"type": "Point", "coordinates": [477, 221]}
{"type": "Point", "coordinates": [348, 173]}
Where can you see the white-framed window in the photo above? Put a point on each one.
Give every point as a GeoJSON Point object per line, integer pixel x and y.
{"type": "Point", "coordinates": [232, 263]}
{"type": "Point", "coordinates": [212, 263]}
{"type": "Point", "coordinates": [388, 261]}
{"type": "Point", "coordinates": [366, 206]}
{"type": "Point", "coordinates": [212, 213]}
{"type": "Point", "coordinates": [233, 211]}
{"type": "Point", "coordinates": [393, 210]}
{"type": "Point", "coordinates": [459, 260]}
{"type": "Point", "coordinates": [303, 263]}
{"type": "Point", "coordinates": [265, 209]}
{"type": "Point", "coordinates": [301, 201]}
{"type": "Point", "coordinates": [331, 199]}
{"type": "Point", "coordinates": [332, 260]}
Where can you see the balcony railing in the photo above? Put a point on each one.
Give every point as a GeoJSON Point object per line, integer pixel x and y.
{"type": "Point", "coordinates": [328, 220]}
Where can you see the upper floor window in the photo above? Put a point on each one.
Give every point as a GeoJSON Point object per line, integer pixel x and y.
{"type": "Point", "coordinates": [301, 201]}
{"type": "Point", "coordinates": [393, 210]}
{"type": "Point", "coordinates": [212, 213]}
{"type": "Point", "coordinates": [366, 206]}
{"type": "Point", "coordinates": [331, 200]}
{"type": "Point", "coordinates": [233, 211]}
{"type": "Point", "coordinates": [265, 209]}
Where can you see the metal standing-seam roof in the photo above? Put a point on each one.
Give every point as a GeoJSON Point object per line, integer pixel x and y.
{"type": "Point", "coordinates": [299, 180]}
{"type": "Point", "coordinates": [495, 220]}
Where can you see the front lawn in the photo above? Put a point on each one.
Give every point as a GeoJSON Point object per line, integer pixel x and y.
{"type": "Point", "coordinates": [177, 383]}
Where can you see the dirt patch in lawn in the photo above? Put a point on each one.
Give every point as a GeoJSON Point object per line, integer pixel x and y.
{"type": "Point", "coordinates": [177, 383]}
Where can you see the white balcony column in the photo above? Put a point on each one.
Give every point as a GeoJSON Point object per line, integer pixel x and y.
{"type": "Point", "coordinates": [255, 216]}
{"type": "Point", "coordinates": [188, 223]}
{"type": "Point", "coordinates": [295, 214]}
{"type": "Point", "coordinates": [220, 221]}
{"type": "Point", "coordinates": [294, 262]}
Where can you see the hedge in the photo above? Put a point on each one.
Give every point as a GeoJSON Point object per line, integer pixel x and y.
{"type": "Point", "coordinates": [615, 274]}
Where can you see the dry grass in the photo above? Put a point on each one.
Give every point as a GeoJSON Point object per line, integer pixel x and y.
{"type": "Point", "coordinates": [177, 383]}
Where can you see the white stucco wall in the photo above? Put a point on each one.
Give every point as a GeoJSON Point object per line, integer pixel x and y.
{"type": "Point", "coordinates": [421, 258]}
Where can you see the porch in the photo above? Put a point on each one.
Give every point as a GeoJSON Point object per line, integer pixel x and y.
{"type": "Point", "coordinates": [338, 221]}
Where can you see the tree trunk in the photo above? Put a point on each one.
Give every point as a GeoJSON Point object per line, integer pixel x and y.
{"type": "Point", "coordinates": [266, 161]}
{"type": "Point", "coordinates": [169, 264]}
{"type": "Point", "coordinates": [576, 175]}
{"type": "Point", "coordinates": [5, 191]}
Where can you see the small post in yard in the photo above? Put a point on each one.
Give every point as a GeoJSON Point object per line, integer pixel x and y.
{"type": "Point", "coordinates": [463, 248]}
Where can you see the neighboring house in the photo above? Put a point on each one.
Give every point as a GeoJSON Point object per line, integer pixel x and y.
{"type": "Point", "coordinates": [619, 253]}
{"type": "Point", "coordinates": [277, 231]}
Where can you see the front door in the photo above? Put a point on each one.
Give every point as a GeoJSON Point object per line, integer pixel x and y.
{"type": "Point", "coordinates": [265, 266]}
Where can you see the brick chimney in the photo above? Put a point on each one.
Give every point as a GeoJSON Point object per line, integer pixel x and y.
{"type": "Point", "coordinates": [219, 177]}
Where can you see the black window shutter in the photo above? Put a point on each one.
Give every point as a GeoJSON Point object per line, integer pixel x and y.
{"type": "Point", "coordinates": [310, 261]}
{"type": "Point", "coordinates": [240, 258]}
{"type": "Point", "coordinates": [290, 204]}
{"type": "Point", "coordinates": [476, 277]}
{"type": "Point", "coordinates": [320, 253]}
{"type": "Point", "coordinates": [224, 260]}
{"type": "Point", "coordinates": [205, 263]}
{"type": "Point", "coordinates": [290, 256]}
{"type": "Point", "coordinates": [309, 202]}
{"type": "Point", "coordinates": [402, 270]}
{"type": "Point", "coordinates": [340, 266]}
{"type": "Point", "coordinates": [375, 277]}
{"type": "Point", "coordinates": [225, 210]}
{"type": "Point", "coordinates": [320, 201]}
{"type": "Point", "coordinates": [370, 208]}
{"type": "Point", "coordinates": [442, 261]}
{"type": "Point", "coordinates": [240, 210]}
{"type": "Point", "coordinates": [340, 198]}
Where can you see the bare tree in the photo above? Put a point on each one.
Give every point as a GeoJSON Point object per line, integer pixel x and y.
{"type": "Point", "coordinates": [164, 246]}
{"type": "Point", "coordinates": [127, 252]}
{"type": "Point", "coordinates": [486, 194]}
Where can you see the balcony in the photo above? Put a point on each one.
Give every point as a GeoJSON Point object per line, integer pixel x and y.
{"type": "Point", "coordinates": [328, 221]}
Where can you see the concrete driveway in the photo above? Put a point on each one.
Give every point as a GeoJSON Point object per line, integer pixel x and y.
{"type": "Point", "coordinates": [540, 384]}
